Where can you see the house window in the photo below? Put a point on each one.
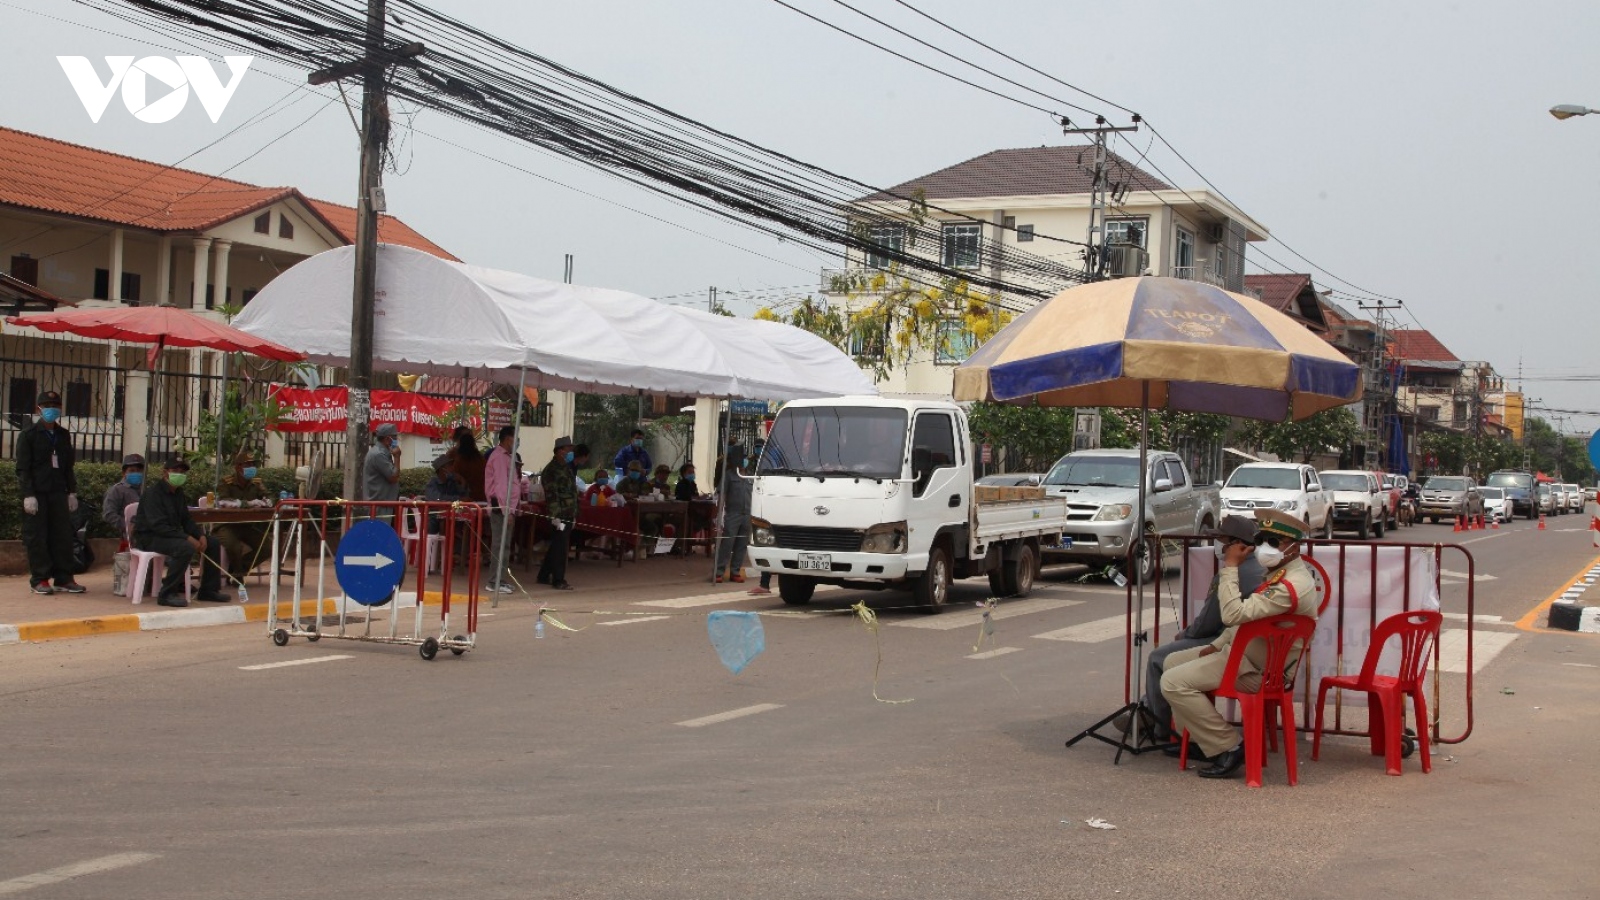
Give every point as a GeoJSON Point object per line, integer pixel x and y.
{"type": "Point", "coordinates": [130, 285]}
{"type": "Point", "coordinates": [130, 288]}
{"type": "Point", "coordinates": [536, 415]}
{"type": "Point", "coordinates": [263, 223]}
{"type": "Point", "coordinates": [1428, 413]}
{"type": "Point", "coordinates": [866, 344]}
{"type": "Point", "coordinates": [1183, 252]}
{"type": "Point", "coordinates": [77, 400]}
{"type": "Point", "coordinates": [962, 246]}
{"type": "Point", "coordinates": [102, 284]}
{"type": "Point", "coordinates": [1024, 233]}
{"type": "Point", "coordinates": [955, 343]}
{"type": "Point", "coordinates": [25, 269]}
{"type": "Point", "coordinates": [247, 295]}
{"type": "Point", "coordinates": [285, 227]}
{"type": "Point", "coordinates": [1219, 264]}
{"type": "Point", "coordinates": [1127, 231]}
{"type": "Point", "coordinates": [890, 238]}
{"type": "Point", "coordinates": [20, 398]}
{"type": "Point", "coordinates": [119, 402]}
{"type": "Point", "coordinates": [211, 296]}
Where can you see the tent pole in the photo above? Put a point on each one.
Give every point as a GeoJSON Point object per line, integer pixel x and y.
{"type": "Point", "coordinates": [722, 495]}
{"type": "Point", "coordinates": [513, 485]}
{"type": "Point", "coordinates": [222, 419]}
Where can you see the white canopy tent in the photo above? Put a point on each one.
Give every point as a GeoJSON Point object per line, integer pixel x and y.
{"type": "Point", "coordinates": [439, 317]}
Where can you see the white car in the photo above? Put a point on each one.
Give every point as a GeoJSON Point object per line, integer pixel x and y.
{"type": "Point", "coordinates": [1496, 503]}
{"type": "Point", "coordinates": [1291, 487]}
{"type": "Point", "coordinates": [1359, 502]}
{"type": "Point", "coordinates": [1574, 497]}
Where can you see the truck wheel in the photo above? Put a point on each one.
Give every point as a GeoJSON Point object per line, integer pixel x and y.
{"type": "Point", "coordinates": [1016, 575]}
{"type": "Point", "coordinates": [1145, 557]}
{"type": "Point", "coordinates": [1327, 528]}
{"type": "Point", "coordinates": [933, 588]}
{"type": "Point", "coordinates": [997, 583]}
{"type": "Point", "coordinates": [1363, 529]}
{"type": "Point", "coordinates": [1379, 526]}
{"type": "Point", "coordinates": [796, 591]}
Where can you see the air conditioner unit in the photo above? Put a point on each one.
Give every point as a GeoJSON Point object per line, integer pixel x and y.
{"type": "Point", "coordinates": [1214, 232]}
{"type": "Point", "coordinates": [1125, 260]}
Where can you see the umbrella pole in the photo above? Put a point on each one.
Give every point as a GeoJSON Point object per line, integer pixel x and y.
{"type": "Point", "coordinates": [222, 418]}
{"type": "Point", "coordinates": [1143, 549]}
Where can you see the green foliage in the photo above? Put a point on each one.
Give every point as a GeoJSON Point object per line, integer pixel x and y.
{"type": "Point", "coordinates": [1329, 430]}
{"type": "Point", "coordinates": [240, 425]}
{"type": "Point", "coordinates": [604, 422]}
{"type": "Point", "coordinates": [1036, 436]}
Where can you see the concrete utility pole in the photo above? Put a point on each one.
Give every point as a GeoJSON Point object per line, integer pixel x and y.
{"type": "Point", "coordinates": [369, 203]}
{"type": "Point", "coordinates": [1095, 254]}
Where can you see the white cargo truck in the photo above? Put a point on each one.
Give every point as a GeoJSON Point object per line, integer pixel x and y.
{"type": "Point", "coordinates": [874, 492]}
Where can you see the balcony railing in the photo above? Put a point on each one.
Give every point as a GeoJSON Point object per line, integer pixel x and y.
{"type": "Point", "coordinates": [1198, 273]}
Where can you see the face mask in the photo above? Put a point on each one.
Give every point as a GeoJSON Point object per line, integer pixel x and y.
{"type": "Point", "coordinates": [568, 457]}
{"type": "Point", "coordinates": [689, 477]}
{"type": "Point", "coordinates": [136, 478]}
{"type": "Point", "coordinates": [636, 475]}
{"type": "Point", "coordinates": [744, 463]}
{"type": "Point", "coordinates": [50, 413]}
{"type": "Point", "coordinates": [602, 482]}
{"type": "Point", "coordinates": [177, 479]}
{"type": "Point", "coordinates": [249, 473]}
{"type": "Point", "coordinates": [1268, 555]}
{"type": "Point", "coordinates": [1221, 550]}
{"type": "Point", "coordinates": [638, 442]}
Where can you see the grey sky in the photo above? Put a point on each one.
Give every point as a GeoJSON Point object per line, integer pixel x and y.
{"type": "Point", "coordinates": [1405, 147]}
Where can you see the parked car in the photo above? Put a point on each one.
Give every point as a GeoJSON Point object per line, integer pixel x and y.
{"type": "Point", "coordinates": [1011, 479]}
{"type": "Point", "coordinates": [1291, 487]}
{"type": "Point", "coordinates": [1547, 500]}
{"type": "Point", "coordinates": [1519, 487]}
{"type": "Point", "coordinates": [1496, 504]}
{"type": "Point", "coordinates": [1589, 494]}
{"type": "Point", "coordinates": [1359, 502]}
{"type": "Point", "coordinates": [1453, 496]}
{"type": "Point", "coordinates": [1394, 487]}
{"type": "Point", "coordinates": [1574, 496]}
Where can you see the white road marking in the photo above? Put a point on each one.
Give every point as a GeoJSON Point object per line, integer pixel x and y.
{"type": "Point", "coordinates": [294, 662]}
{"type": "Point", "coordinates": [1446, 573]}
{"type": "Point", "coordinates": [75, 870]}
{"type": "Point", "coordinates": [1582, 665]}
{"type": "Point", "coordinates": [713, 599]}
{"type": "Point", "coordinates": [630, 620]}
{"type": "Point", "coordinates": [1453, 649]}
{"type": "Point", "coordinates": [730, 714]}
{"type": "Point", "coordinates": [991, 654]}
{"type": "Point", "coordinates": [951, 620]}
{"type": "Point", "coordinates": [1479, 620]}
{"type": "Point", "coordinates": [1097, 631]}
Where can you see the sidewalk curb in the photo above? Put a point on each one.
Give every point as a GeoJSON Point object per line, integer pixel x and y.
{"type": "Point", "coordinates": [231, 614]}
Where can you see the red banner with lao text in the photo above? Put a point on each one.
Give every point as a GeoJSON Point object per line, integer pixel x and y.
{"type": "Point", "coordinates": [305, 410]}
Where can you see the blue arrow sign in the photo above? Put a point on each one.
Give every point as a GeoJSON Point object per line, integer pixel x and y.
{"type": "Point", "coordinates": [370, 563]}
{"type": "Point", "coordinates": [1594, 449]}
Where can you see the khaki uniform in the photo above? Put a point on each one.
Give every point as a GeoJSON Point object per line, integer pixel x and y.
{"type": "Point", "coordinates": [1291, 588]}
{"type": "Point", "coordinates": [242, 540]}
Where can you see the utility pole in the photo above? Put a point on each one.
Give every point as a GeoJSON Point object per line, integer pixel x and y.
{"type": "Point", "coordinates": [369, 203]}
{"type": "Point", "coordinates": [711, 300]}
{"type": "Point", "coordinates": [1372, 412]}
{"type": "Point", "coordinates": [1094, 255]}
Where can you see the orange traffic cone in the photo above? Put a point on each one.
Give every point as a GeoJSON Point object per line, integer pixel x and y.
{"type": "Point", "coordinates": [1541, 521]}
{"type": "Point", "coordinates": [1458, 523]}
{"type": "Point", "coordinates": [1480, 521]}
{"type": "Point", "coordinates": [1495, 523]}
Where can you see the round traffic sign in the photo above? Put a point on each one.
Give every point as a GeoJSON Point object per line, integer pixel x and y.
{"type": "Point", "coordinates": [1594, 449]}
{"type": "Point", "coordinates": [370, 563]}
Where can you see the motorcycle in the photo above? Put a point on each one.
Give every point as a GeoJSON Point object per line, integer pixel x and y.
{"type": "Point", "coordinates": [1410, 510]}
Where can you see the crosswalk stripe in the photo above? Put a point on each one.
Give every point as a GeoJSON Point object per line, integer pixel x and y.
{"type": "Point", "coordinates": [950, 621]}
{"type": "Point", "coordinates": [294, 662]}
{"type": "Point", "coordinates": [1477, 576]}
{"type": "Point", "coordinates": [633, 620]}
{"type": "Point", "coordinates": [1100, 630]}
{"type": "Point", "coordinates": [991, 654]}
{"type": "Point", "coordinates": [711, 599]}
{"type": "Point", "coordinates": [1453, 649]}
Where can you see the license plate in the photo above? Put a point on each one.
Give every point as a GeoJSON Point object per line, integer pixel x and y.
{"type": "Point", "coordinates": [815, 562]}
{"type": "Point", "coordinates": [1065, 544]}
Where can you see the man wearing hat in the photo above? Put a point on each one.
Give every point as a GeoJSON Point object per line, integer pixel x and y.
{"type": "Point", "coordinates": [49, 490]}
{"type": "Point", "coordinates": [243, 541]}
{"type": "Point", "coordinates": [1287, 587]}
{"type": "Point", "coordinates": [380, 471]}
{"type": "Point", "coordinates": [1205, 626]}
{"type": "Point", "coordinates": [163, 525]}
{"type": "Point", "coordinates": [561, 502]}
{"type": "Point", "coordinates": [113, 511]}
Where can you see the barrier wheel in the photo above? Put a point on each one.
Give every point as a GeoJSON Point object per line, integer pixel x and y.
{"type": "Point", "coordinates": [280, 637]}
{"type": "Point", "coordinates": [429, 648]}
{"type": "Point", "coordinates": [459, 650]}
{"type": "Point", "coordinates": [1408, 744]}
{"type": "Point", "coordinates": [314, 636]}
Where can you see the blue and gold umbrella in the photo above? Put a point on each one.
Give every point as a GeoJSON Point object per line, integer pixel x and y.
{"type": "Point", "coordinates": [1183, 344]}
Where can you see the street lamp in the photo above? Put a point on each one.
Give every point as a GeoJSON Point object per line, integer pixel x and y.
{"type": "Point", "coordinates": [1568, 110]}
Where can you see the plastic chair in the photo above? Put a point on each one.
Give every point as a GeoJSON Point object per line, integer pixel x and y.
{"type": "Point", "coordinates": [1275, 696]}
{"type": "Point", "coordinates": [411, 534]}
{"type": "Point", "coordinates": [1417, 631]}
{"type": "Point", "coordinates": [146, 562]}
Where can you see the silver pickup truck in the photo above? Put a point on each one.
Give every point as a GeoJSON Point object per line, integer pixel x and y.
{"type": "Point", "coordinates": [1101, 488]}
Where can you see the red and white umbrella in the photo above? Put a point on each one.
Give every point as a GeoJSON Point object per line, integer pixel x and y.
{"type": "Point", "coordinates": [159, 326]}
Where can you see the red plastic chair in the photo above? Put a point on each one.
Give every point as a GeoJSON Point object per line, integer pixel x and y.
{"type": "Point", "coordinates": [1417, 631]}
{"type": "Point", "coordinates": [1275, 696]}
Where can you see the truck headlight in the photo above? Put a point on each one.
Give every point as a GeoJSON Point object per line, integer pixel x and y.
{"type": "Point", "coordinates": [889, 537]}
{"type": "Point", "coordinates": [1287, 505]}
{"type": "Point", "coordinates": [761, 533]}
{"type": "Point", "coordinates": [1114, 512]}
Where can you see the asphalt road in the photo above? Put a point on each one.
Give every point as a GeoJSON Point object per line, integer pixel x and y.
{"type": "Point", "coordinates": [607, 763]}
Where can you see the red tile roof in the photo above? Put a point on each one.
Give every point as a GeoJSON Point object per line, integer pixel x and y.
{"type": "Point", "coordinates": [48, 175]}
{"type": "Point", "coordinates": [1417, 344]}
{"type": "Point", "coordinates": [1283, 293]}
{"type": "Point", "coordinates": [1025, 172]}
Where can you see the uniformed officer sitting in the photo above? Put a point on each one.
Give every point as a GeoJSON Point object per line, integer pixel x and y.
{"type": "Point", "coordinates": [1287, 587]}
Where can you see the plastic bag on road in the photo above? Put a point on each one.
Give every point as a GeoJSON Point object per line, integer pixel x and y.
{"type": "Point", "coordinates": [737, 637]}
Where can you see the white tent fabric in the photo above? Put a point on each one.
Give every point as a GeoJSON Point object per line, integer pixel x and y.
{"type": "Point", "coordinates": [439, 317]}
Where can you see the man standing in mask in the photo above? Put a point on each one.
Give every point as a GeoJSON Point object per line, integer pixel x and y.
{"type": "Point", "coordinates": [1287, 587]}
{"type": "Point", "coordinates": [380, 471]}
{"type": "Point", "coordinates": [49, 490]}
{"type": "Point", "coordinates": [561, 501]}
{"type": "Point", "coordinates": [163, 525]}
{"type": "Point", "coordinates": [632, 452]}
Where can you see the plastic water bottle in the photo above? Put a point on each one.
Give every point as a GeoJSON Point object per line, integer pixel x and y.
{"type": "Point", "coordinates": [244, 593]}
{"type": "Point", "coordinates": [538, 629]}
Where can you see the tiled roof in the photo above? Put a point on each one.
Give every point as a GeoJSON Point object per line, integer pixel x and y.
{"type": "Point", "coordinates": [1023, 172]}
{"type": "Point", "coordinates": [1418, 345]}
{"type": "Point", "coordinates": [48, 175]}
{"type": "Point", "coordinates": [1278, 291]}
{"type": "Point", "coordinates": [24, 294]}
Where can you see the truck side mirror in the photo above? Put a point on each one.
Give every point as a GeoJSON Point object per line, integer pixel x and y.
{"type": "Point", "coordinates": [1163, 484]}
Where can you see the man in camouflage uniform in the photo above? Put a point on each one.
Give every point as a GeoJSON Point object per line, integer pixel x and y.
{"type": "Point", "coordinates": [1287, 586]}
{"type": "Point", "coordinates": [561, 503]}
{"type": "Point", "coordinates": [242, 541]}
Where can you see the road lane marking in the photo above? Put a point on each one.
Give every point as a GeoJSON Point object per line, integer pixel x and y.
{"type": "Point", "coordinates": [75, 870]}
{"type": "Point", "coordinates": [712, 599]}
{"type": "Point", "coordinates": [730, 714]}
{"type": "Point", "coordinates": [1096, 631]}
{"type": "Point", "coordinates": [294, 662]}
{"type": "Point", "coordinates": [633, 619]}
{"type": "Point", "coordinates": [991, 654]}
{"type": "Point", "coordinates": [1582, 665]}
{"type": "Point", "coordinates": [951, 620]}
{"type": "Point", "coordinates": [1446, 573]}
{"type": "Point", "coordinates": [1531, 617]}
{"type": "Point", "coordinates": [1486, 646]}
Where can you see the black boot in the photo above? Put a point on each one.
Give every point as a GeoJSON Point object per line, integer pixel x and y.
{"type": "Point", "coordinates": [1226, 764]}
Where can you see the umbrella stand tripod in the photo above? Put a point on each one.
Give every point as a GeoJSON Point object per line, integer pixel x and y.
{"type": "Point", "coordinates": [1132, 737]}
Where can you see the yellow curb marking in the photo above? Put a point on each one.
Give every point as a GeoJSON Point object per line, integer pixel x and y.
{"type": "Point", "coordinates": [1526, 623]}
{"type": "Point", "coordinates": [71, 628]}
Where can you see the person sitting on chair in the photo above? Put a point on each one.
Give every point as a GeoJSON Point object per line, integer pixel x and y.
{"type": "Point", "coordinates": [163, 525]}
{"type": "Point", "coordinates": [1288, 586]}
{"type": "Point", "coordinates": [446, 486]}
{"type": "Point", "coordinates": [243, 541]}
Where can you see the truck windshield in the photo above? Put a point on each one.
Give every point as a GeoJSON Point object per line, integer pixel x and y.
{"type": "Point", "coordinates": [1098, 471]}
{"type": "Point", "coordinates": [1438, 483]}
{"type": "Point", "coordinates": [869, 442]}
{"type": "Point", "coordinates": [1275, 479]}
{"type": "Point", "coordinates": [1510, 479]}
{"type": "Point", "coordinates": [1345, 482]}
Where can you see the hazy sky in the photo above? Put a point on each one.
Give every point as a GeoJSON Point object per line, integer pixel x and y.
{"type": "Point", "coordinates": [1405, 147]}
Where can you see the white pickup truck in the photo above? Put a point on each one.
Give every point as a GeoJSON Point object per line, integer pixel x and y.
{"type": "Point", "coordinates": [1294, 488]}
{"type": "Point", "coordinates": [875, 492]}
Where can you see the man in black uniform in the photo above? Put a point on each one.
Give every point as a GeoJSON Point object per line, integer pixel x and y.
{"type": "Point", "coordinates": [49, 490]}
{"type": "Point", "coordinates": [163, 525]}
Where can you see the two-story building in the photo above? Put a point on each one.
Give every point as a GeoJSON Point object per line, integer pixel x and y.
{"type": "Point", "coordinates": [1018, 201]}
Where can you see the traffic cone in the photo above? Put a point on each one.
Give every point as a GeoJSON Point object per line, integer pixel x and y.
{"type": "Point", "coordinates": [1458, 523]}
{"type": "Point", "coordinates": [1494, 523]}
{"type": "Point", "coordinates": [1541, 521]}
{"type": "Point", "coordinates": [1480, 521]}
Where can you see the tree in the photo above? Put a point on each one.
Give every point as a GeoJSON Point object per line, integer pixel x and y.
{"type": "Point", "coordinates": [1330, 429]}
{"type": "Point", "coordinates": [239, 425]}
